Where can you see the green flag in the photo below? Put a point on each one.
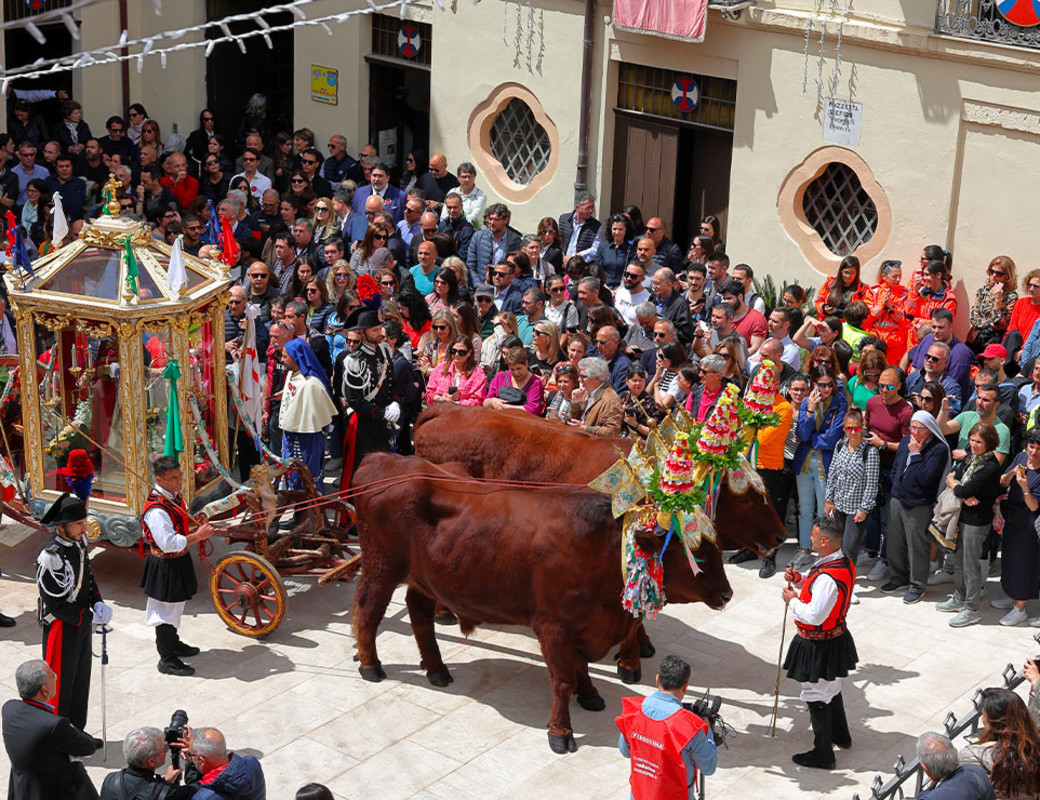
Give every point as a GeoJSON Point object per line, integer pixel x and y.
{"type": "Point", "coordinates": [174, 435]}
{"type": "Point", "coordinates": [131, 267]}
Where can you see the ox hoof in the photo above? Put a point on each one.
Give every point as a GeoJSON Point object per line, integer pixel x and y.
{"type": "Point", "coordinates": [647, 649]}
{"type": "Point", "coordinates": [373, 674]}
{"type": "Point", "coordinates": [630, 675]}
{"type": "Point", "coordinates": [562, 744]}
{"type": "Point", "coordinates": [447, 618]}
{"type": "Point", "coordinates": [440, 677]}
{"type": "Point", "coordinates": [592, 702]}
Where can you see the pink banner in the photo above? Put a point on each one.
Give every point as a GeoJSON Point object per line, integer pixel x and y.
{"type": "Point", "coordinates": [676, 19]}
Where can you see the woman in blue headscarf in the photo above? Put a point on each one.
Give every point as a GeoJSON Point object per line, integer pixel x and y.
{"type": "Point", "coordinates": [307, 409]}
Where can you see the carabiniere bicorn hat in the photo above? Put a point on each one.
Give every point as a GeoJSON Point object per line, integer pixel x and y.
{"type": "Point", "coordinates": [361, 319]}
{"type": "Point", "coordinates": [67, 508]}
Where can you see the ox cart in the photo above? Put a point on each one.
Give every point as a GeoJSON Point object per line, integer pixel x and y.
{"type": "Point", "coordinates": [117, 334]}
{"type": "Point", "coordinates": [246, 584]}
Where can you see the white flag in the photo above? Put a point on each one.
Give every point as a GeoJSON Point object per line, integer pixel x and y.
{"type": "Point", "coordinates": [249, 375]}
{"type": "Point", "coordinates": [61, 224]}
{"type": "Point", "coordinates": [177, 275]}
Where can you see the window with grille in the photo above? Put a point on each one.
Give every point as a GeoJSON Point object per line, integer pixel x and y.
{"type": "Point", "coordinates": [839, 209]}
{"type": "Point", "coordinates": [519, 143]}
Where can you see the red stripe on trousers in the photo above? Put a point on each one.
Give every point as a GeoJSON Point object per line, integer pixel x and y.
{"type": "Point", "coordinates": [52, 656]}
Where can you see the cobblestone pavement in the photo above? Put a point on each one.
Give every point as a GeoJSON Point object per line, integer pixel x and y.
{"type": "Point", "coordinates": [296, 701]}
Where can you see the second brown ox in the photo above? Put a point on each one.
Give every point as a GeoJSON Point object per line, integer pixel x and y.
{"type": "Point", "coordinates": [546, 558]}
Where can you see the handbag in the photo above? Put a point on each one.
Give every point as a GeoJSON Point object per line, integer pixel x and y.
{"type": "Point", "coordinates": [512, 396]}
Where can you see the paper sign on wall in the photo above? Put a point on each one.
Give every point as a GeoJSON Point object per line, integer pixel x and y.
{"type": "Point", "coordinates": [324, 85]}
{"type": "Point", "coordinates": [842, 121]}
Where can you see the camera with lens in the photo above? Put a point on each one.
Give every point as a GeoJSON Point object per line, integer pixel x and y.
{"type": "Point", "coordinates": [707, 708]}
{"type": "Point", "coordinates": [174, 732]}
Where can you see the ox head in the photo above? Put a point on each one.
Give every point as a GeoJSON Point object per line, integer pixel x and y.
{"type": "Point", "coordinates": [710, 586]}
{"type": "Point", "coordinates": [747, 520]}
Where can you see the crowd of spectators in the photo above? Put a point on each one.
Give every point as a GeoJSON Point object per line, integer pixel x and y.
{"type": "Point", "coordinates": [924, 444]}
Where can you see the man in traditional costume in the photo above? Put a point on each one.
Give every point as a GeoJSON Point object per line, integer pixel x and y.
{"type": "Point", "coordinates": [307, 408]}
{"type": "Point", "coordinates": [70, 604]}
{"type": "Point", "coordinates": [666, 743]}
{"type": "Point", "coordinates": [368, 392]}
{"type": "Point", "coordinates": [169, 573]}
{"type": "Point", "coordinates": [823, 652]}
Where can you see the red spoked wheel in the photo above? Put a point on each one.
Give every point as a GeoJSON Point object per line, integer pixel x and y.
{"type": "Point", "coordinates": [248, 594]}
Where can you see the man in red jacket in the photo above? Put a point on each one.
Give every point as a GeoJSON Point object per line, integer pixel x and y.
{"type": "Point", "coordinates": [666, 743]}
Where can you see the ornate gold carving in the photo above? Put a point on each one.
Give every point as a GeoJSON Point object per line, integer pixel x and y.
{"type": "Point", "coordinates": [93, 529]}
{"type": "Point", "coordinates": [53, 323]}
{"type": "Point", "coordinates": [94, 329]}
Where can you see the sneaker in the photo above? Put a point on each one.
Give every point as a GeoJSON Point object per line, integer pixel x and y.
{"type": "Point", "coordinates": [865, 559]}
{"type": "Point", "coordinates": [803, 560]}
{"type": "Point", "coordinates": [940, 576]}
{"type": "Point", "coordinates": [1015, 616]}
{"type": "Point", "coordinates": [966, 617]}
{"type": "Point", "coordinates": [912, 596]}
{"type": "Point", "coordinates": [741, 557]}
{"type": "Point", "coordinates": [893, 586]}
{"type": "Point", "coordinates": [950, 605]}
{"type": "Point", "coordinates": [994, 568]}
{"type": "Point", "coordinates": [768, 567]}
{"type": "Point", "coordinates": [1002, 603]}
{"type": "Point", "coordinates": [853, 600]}
{"type": "Point", "coordinates": [334, 465]}
{"type": "Point", "coordinates": [879, 571]}
{"type": "Point", "coordinates": [1034, 622]}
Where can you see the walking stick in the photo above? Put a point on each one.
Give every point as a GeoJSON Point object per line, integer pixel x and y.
{"type": "Point", "coordinates": [103, 630]}
{"type": "Point", "coordinates": [779, 661]}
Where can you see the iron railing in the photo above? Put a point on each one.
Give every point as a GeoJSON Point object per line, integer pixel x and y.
{"type": "Point", "coordinates": [982, 20]}
{"type": "Point", "coordinates": [905, 772]}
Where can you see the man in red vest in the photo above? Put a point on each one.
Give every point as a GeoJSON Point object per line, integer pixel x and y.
{"type": "Point", "coordinates": [666, 743]}
{"type": "Point", "coordinates": [823, 651]}
{"type": "Point", "coordinates": [169, 574]}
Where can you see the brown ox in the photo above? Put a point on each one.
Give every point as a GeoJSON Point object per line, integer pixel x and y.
{"type": "Point", "coordinates": [515, 446]}
{"type": "Point", "coordinates": [546, 558]}
{"type": "Point", "coordinates": [489, 444]}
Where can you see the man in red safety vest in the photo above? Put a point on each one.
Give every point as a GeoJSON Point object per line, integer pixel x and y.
{"type": "Point", "coordinates": [666, 743]}
{"type": "Point", "coordinates": [823, 652]}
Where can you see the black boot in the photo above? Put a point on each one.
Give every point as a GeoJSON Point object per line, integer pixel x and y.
{"type": "Point", "coordinates": [768, 567]}
{"type": "Point", "coordinates": [822, 754]}
{"type": "Point", "coordinates": [182, 650]}
{"type": "Point", "coordinates": [839, 724]}
{"type": "Point", "coordinates": [741, 556]}
{"type": "Point", "coordinates": [166, 644]}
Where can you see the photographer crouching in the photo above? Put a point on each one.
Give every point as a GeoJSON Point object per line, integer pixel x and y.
{"type": "Point", "coordinates": [145, 751]}
{"type": "Point", "coordinates": [666, 742]}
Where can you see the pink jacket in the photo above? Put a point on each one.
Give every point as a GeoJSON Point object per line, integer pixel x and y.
{"type": "Point", "coordinates": [471, 389]}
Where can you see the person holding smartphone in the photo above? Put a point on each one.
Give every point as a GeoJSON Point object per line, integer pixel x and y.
{"type": "Point", "coordinates": [460, 379]}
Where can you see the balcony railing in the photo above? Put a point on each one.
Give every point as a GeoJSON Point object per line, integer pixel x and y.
{"type": "Point", "coordinates": [981, 20]}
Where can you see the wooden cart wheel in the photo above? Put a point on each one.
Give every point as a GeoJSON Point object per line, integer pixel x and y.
{"type": "Point", "coordinates": [248, 594]}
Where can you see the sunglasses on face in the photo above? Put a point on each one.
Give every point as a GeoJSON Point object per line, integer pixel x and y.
{"type": "Point", "coordinates": [321, 208]}
{"type": "Point", "coordinates": [853, 428]}
{"type": "Point", "coordinates": [996, 273]}
{"type": "Point", "coordinates": [930, 357]}
{"type": "Point", "coordinates": [380, 236]}
{"type": "Point", "coordinates": [297, 180]}
{"type": "Point", "coordinates": [927, 398]}
{"type": "Point", "coordinates": [341, 275]}
{"type": "Point", "coordinates": [456, 351]}
{"type": "Point", "coordinates": [439, 327]}
{"type": "Point", "coordinates": [384, 283]}
{"type": "Point", "coordinates": [308, 161]}
{"type": "Point", "coordinates": [633, 275]}
{"type": "Point", "coordinates": [825, 385]}
{"type": "Point", "coordinates": [353, 341]}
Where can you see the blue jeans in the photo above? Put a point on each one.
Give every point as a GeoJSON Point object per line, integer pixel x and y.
{"type": "Point", "coordinates": [811, 487]}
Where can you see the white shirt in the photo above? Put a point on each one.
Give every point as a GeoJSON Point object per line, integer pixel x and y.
{"type": "Point", "coordinates": [625, 302]}
{"type": "Point", "coordinates": [792, 355]}
{"type": "Point", "coordinates": [257, 186]}
{"type": "Point", "coordinates": [821, 601]}
{"type": "Point", "coordinates": [161, 527]}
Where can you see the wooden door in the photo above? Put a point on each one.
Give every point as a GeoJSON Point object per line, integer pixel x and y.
{"type": "Point", "coordinates": [645, 155]}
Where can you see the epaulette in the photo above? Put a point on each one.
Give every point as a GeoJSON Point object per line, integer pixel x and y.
{"type": "Point", "coordinates": [49, 560]}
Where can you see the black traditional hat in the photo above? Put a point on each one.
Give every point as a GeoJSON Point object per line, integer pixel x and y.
{"type": "Point", "coordinates": [361, 319]}
{"type": "Point", "coordinates": [67, 508]}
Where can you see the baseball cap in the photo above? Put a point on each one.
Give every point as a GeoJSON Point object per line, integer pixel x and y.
{"type": "Point", "coordinates": [995, 351]}
{"type": "Point", "coordinates": [484, 291]}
